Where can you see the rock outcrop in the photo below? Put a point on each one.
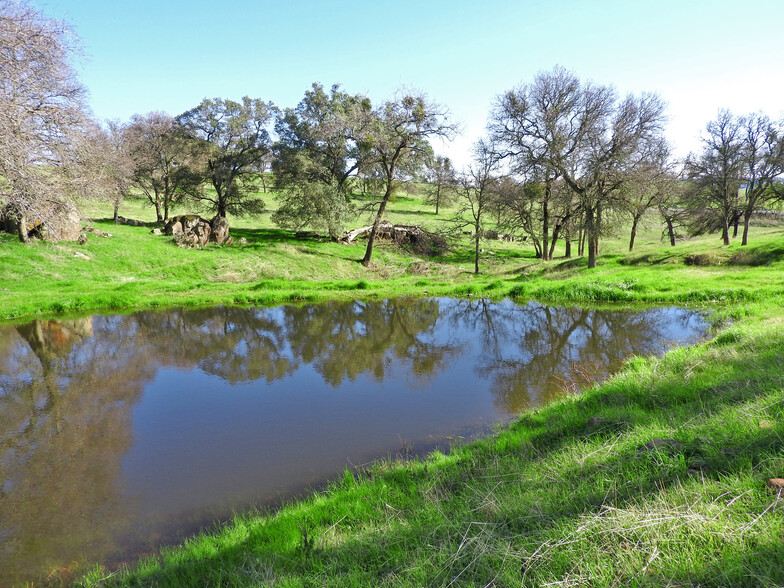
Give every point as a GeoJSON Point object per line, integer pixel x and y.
{"type": "Point", "coordinates": [191, 230]}
{"type": "Point", "coordinates": [50, 220]}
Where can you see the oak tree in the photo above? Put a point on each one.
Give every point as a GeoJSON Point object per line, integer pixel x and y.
{"type": "Point", "coordinates": [165, 160]}
{"type": "Point", "coordinates": [441, 179]}
{"type": "Point", "coordinates": [319, 151]}
{"type": "Point", "coordinates": [763, 154]}
{"type": "Point", "coordinates": [477, 191]}
{"type": "Point", "coordinates": [716, 175]}
{"type": "Point", "coordinates": [582, 132]}
{"type": "Point", "coordinates": [398, 141]}
{"type": "Point", "coordinates": [236, 139]}
{"type": "Point", "coordinates": [42, 114]}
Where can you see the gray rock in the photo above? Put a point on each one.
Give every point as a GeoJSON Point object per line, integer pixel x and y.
{"type": "Point", "coordinates": [191, 230]}
{"type": "Point", "coordinates": [50, 220]}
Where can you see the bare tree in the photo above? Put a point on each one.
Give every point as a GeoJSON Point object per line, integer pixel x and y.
{"type": "Point", "coordinates": [42, 114]}
{"type": "Point", "coordinates": [106, 169]}
{"type": "Point", "coordinates": [236, 139]}
{"type": "Point", "coordinates": [529, 208]}
{"type": "Point", "coordinates": [582, 132]}
{"type": "Point", "coordinates": [645, 190]}
{"type": "Point", "coordinates": [763, 146]}
{"type": "Point", "coordinates": [478, 190]}
{"type": "Point", "coordinates": [165, 160]}
{"type": "Point", "coordinates": [441, 181]}
{"type": "Point", "coordinates": [716, 174]}
{"type": "Point", "coordinates": [398, 141]}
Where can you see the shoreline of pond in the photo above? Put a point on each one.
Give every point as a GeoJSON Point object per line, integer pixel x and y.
{"type": "Point", "coordinates": [558, 347]}
{"type": "Point", "coordinates": [438, 500]}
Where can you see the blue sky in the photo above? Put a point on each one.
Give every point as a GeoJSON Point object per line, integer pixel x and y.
{"type": "Point", "coordinates": [167, 55]}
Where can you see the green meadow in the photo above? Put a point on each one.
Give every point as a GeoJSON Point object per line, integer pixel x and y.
{"type": "Point", "coordinates": [656, 477]}
{"type": "Point", "coordinates": [136, 269]}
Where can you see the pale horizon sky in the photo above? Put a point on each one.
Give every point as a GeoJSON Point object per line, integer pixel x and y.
{"type": "Point", "coordinates": [699, 56]}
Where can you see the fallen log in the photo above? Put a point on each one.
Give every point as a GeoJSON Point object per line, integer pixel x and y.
{"type": "Point", "coordinates": [421, 241]}
{"type": "Point", "coordinates": [351, 235]}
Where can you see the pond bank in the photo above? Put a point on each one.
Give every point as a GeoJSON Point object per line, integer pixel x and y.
{"type": "Point", "coordinates": [577, 490]}
{"type": "Point", "coordinates": [181, 417]}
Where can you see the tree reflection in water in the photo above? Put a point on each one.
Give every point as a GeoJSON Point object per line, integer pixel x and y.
{"type": "Point", "coordinates": [70, 393]}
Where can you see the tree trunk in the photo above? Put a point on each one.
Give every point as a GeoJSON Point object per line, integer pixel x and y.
{"type": "Point", "coordinates": [438, 198]}
{"type": "Point", "coordinates": [476, 247]}
{"type": "Point", "coordinates": [591, 236]}
{"type": "Point", "coordinates": [374, 230]}
{"type": "Point", "coordinates": [636, 219]}
{"type": "Point", "coordinates": [158, 215]}
{"type": "Point", "coordinates": [556, 233]}
{"type": "Point", "coordinates": [593, 250]}
{"type": "Point", "coordinates": [545, 223]}
{"type": "Point", "coordinates": [567, 246]}
{"type": "Point", "coordinates": [670, 230]}
{"type": "Point", "coordinates": [221, 195]}
{"type": "Point", "coordinates": [116, 211]}
{"type": "Point", "coordinates": [21, 229]}
{"type": "Point", "coordinates": [746, 219]}
{"type": "Point", "coordinates": [725, 232]}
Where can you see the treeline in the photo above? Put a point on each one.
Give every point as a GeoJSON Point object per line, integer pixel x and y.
{"type": "Point", "coordinates": [562, 161]}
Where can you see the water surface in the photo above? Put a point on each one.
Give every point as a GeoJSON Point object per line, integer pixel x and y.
{"type": "Point", "coordinates": [120, 433]}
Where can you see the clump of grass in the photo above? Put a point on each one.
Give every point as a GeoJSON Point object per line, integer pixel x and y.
{"type": "Point", "coordinates": [595, 291]}
{"type": "Point", "coordinates": [702, 259]}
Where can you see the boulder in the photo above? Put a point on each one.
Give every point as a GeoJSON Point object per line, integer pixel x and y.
{"type": "Point", "coordinates": [191, 230]}
{"type": "Point", "coordinates": [50, 220]}
{"type": "Point", "coordinates": [220, 231]}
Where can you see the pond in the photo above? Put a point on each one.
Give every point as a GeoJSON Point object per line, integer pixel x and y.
{"type": "Point", "coordinates": [122, 433]}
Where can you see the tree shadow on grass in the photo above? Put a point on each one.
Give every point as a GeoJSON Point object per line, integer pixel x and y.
{"type": "Point", "coordinates": [758, 256]}
{"type": "Point", "coordinates": [262, 238]}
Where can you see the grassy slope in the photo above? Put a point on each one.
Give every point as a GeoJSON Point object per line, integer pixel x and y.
{"type": "Point", "coordinates": [134, 269]}
{"type": "Point", "coordinates": [568, 495]}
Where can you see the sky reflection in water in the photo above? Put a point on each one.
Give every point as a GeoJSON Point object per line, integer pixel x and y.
{"type": "Point", "coordinates": [122, 432]}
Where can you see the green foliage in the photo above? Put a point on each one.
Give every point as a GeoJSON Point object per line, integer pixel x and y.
{"type": "Point", "coordinates": [320, 149]}
{"type": "Point", "coordinates": [235, 140]}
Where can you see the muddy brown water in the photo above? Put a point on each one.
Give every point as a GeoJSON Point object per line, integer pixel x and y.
{"type": "Point", "coordinates": [122, 433]}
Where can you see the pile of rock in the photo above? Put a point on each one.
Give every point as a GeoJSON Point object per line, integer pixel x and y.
{"type": "Point", "coordinates": [191, 230]}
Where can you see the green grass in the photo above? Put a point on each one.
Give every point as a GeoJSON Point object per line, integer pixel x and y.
{"type": "Point", "coordinates": [135, 269]}
{"type": "Point", "coordinates": [568, 495]}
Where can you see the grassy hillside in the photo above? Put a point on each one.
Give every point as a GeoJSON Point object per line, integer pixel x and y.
{"type": "Point", "coordinates": [133, 268]}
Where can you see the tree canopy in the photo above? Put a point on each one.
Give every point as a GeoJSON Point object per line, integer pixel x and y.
{"type": "Point", "coordinates": [320, 148]}
{"type": "Point", "coordinates": [43, 116]}
{"type": "Point", "coordinates": [236, 139]}
{"type": "Point", "coordinates": [398, 142]}
{"type": "Point", "coordinates": [581, 132]}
